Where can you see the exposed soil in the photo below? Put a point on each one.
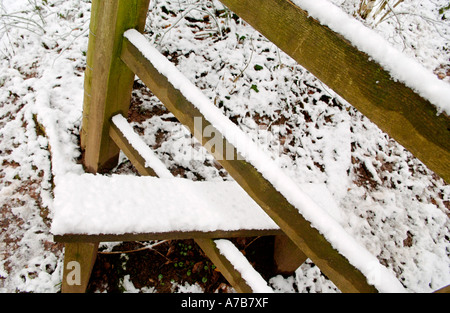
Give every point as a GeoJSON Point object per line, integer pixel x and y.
{"type": "Point", "coordinates": [168, 264]}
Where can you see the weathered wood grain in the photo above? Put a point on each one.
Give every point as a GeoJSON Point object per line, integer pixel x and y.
{"type": "Point", "coordinates": [79, 259]}
{"type": "Point", "coordinates": [396, 109]}
{"type": "Point", "coordinates": [68, 238]}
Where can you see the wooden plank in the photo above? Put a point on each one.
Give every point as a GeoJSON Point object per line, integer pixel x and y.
{"type": "Point", "coordinates": [166, 235]}
{"type": "Point", "coordinates": [221, 262]}
{"type": "Point", "coordinates": [79, 259]}
{"type": "Point", "coordinates": [132, 154]}
{"type": "Point", "coordinates": [108, 82]}
{"type": "Point", "coordinates": [294, 225]}
{"type": "Point", "coordinates": [397, 110]}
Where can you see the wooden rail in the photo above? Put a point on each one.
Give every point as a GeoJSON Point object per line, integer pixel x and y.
{"type": "Point", "coordinates": [396, 109]}
{"type": "Point", "coordinates": [224, 265]}
{"type": "Point", "coordinates": [113, 60]}
{"type": "Point", "coordinates": [108, 81]}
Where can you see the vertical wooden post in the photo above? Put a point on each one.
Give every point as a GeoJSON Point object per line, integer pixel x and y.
{"type": "Point", "coordinates": [79, 259]}
{"type": "Point", "coordinates": [287, 256]}
{"type": "Point", "coordinates": [108, 81]}
{"type": "Point", "coordinates": [108, 84]}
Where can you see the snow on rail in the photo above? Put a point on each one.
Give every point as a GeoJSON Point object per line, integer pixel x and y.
{"type": "Point", "coordinates": [400, 66]}
{"type": "Point", "coordinates": [378, 275]}
{"type": "Point", "coordinates": [241, 264]}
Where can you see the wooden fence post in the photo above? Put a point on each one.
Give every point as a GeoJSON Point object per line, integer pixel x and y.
{"type": "Point", "coordinates": [108, 81]}
{"type": "Point", "coordinates": [108, 84]}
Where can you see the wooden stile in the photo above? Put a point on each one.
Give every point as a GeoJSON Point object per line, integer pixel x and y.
{"type": "Point", "coordinates": [112, 62]}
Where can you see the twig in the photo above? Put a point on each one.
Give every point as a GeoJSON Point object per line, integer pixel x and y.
{"type": "Point", "coordinates": [136, 250]}
{"type": "Point", "coordinates": [248, 63]}
{"type": "Point", "coordinates": [184, 15]}
{"type": "Point", "coordinates": [246, 246]}
{"type": "Point", "coordinates": [391, 10]}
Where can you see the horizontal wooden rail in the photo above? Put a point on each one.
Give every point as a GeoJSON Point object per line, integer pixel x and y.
{"type": "Point", "coordinates": [294, 225]}
{"type": "Point", "coordinates": [68, 238]}
{"type": "Point", "coordinates": [397, 110]}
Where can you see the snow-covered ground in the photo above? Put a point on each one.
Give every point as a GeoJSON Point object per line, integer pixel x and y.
{"type": "Point", "coordinates": [389, 201]}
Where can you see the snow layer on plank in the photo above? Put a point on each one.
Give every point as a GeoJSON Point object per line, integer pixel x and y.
{"type": "Point", "coordinates": [400, 66]}
{"type": "Point", "coordinates": [151, 160]}
{"type": "Point", "coordinates": [241, 264]}
{"type": "Point", "coordinates": [378, 275]}
{"type": "Point", "coordinates": [96, 204]}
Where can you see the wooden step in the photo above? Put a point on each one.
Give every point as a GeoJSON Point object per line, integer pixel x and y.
{"type": "Point", "coordinates": [93, 208]}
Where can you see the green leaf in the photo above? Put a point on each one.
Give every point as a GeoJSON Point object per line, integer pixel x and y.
{"type": "Point", "coordinates": [258, 67]}
{"type": "Point", "coordinates": [255, 88]}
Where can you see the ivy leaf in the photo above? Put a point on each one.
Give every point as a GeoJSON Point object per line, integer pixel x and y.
{"type": "Point", "coordinates": [258, 67]}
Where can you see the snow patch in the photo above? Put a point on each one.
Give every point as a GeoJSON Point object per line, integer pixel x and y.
{"type": "Point", "coordinates": [241, 264]}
